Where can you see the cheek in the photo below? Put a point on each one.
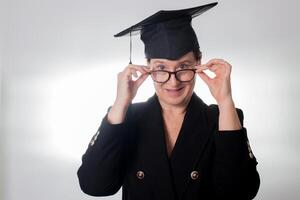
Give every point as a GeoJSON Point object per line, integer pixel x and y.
{"type": "Point", "coordinates": [157, 87]}
{"type": "Point", "coordinates": [193, 82]}
{"type": "Point", "coordinates": [191, 85]}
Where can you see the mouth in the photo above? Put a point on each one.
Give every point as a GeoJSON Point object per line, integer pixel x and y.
{"type": "Point", "coordinates": [175, 91]}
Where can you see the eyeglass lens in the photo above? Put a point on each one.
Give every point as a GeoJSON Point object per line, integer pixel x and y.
{"type": "Point", "coordinates": [181, 75]}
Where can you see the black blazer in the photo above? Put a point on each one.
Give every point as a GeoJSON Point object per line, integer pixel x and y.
{"type": "Point", "coordinates": [205, 163]}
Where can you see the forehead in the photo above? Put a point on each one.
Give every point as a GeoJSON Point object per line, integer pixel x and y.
{"type": "Point", "coordinates": [189, 57]}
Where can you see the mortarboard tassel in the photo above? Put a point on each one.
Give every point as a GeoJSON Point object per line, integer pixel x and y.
{"type": "Point", "coordinates": [130, 62]}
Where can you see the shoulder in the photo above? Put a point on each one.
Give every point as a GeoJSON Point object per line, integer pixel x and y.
{"type": "Point", "coordinates": [137, 108]}
{"type": "Point", "coordinates": [213, 112]}
{"type": "Point", "coordinates": [140, 109]}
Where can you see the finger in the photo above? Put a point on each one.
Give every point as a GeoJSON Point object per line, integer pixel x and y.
{"type": "Point", "coordinates": [215, 64]}
{"type": "Point", "coordinates": [217, 61]}
{"type": "Point", "coordinates": [200, 68]}
{"type": "Point", "coordinates": [147, 68]}
{"type": "Point", "coordinates": [134, 65]}
{"type": "Point", "coordinates": [132, 71]}
{"type": "Point", "coordinates": [205, 77]}
{"type": "Point", "coordinates": [141, 79]}
{"type": "Point", "coordinates": [214, 67]}
{"type": "Point", "coordinates": [140, 68]}
{"type": "Point", "coordinates": [135, 74]}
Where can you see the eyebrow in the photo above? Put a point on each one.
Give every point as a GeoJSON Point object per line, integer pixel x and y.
{"type": "Point", "coordinates": [185, 61]}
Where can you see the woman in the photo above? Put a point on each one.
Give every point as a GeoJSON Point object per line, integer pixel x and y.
{"type": "Point", "coordinates": [173, 146]}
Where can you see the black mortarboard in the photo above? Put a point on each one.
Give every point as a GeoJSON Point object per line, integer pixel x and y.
{"type": "Point", "coordinates": [168, 33]}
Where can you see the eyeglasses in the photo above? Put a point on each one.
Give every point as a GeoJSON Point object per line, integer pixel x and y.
{"type": "Point", "coordinates": [162, 76]}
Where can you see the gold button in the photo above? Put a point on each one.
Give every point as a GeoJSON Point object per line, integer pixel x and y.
{"type": "Point", "coordinates": [92, 142]}
{"type": "Point", "coordinates": [249, 148]}
{"type": "Point", "coordinates": [251, 155]}
{"type": "Point", "coordinates": [140, 174]}
{"type": "Point", "coordinates": [194, 175]}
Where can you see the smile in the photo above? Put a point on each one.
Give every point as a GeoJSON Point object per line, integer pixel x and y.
{"type": "Point", "coordinates": [175, 92]}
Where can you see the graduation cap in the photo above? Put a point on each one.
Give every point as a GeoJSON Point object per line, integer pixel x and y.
{"type": "Point", "coordinates": [168, 33]}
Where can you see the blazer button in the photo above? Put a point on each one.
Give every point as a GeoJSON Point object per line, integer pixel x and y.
{"type": "Point", "coordinates": [140, 175]}
{"type": "Point", "coordinates": [251, 155]}
{"type": "Point", "coordinates": [92, 142]}
{"type": "Point", "coordinates": [195, 175]}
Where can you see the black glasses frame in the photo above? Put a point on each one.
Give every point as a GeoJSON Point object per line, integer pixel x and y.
{"type": "Point", "coordinates": [175, 73]}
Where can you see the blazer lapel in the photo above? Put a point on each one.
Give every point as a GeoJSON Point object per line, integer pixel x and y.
{"type": "Point", "coordinates": [154, 150]}
{"type": "Point", "coordinates": [189, 146]}
{"type": "Point", "coordinates": [190, 143]}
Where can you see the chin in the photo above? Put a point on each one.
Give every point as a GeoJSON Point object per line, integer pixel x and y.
{"type": "Point", "coordinates": [174, 101]}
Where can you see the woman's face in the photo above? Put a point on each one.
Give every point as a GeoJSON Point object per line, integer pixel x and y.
{"type": "Point", "coordinates": [174, 92]}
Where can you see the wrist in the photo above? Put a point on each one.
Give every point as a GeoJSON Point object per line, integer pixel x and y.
{"type": "Point", "coordinates": [121, 105]}
{"type": "Point", "coordinates": [226, 103]}
{"type": "Point", "coordinates": [116, 114]}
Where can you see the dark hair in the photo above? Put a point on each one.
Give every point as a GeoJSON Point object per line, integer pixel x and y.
{"type": "Point", "coordinates": [197, 54]}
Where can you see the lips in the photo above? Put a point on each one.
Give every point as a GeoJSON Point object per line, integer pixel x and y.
{"type": "Point", "coordinates": [174, 90]}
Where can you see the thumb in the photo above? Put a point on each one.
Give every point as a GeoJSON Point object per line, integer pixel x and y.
{"type": "Point", "coordinates": [141, 79]}
{"type": "Point", "coordinates": [204, 77]}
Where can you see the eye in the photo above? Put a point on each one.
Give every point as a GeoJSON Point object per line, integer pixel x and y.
{"type": "Point", "coordinates": [160, 67]}
{"type": "Point", "coordinates": [184, 66]}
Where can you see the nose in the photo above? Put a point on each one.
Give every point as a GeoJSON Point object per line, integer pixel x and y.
{"type": "Point", "coordinates": [173, 81]}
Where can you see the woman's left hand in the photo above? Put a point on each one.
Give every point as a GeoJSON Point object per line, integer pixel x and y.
{"type": "Point", "coordinates": [219, 86]}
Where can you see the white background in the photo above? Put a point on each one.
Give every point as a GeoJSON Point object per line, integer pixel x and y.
{"type": "Point", "coordinates": [59, 62]}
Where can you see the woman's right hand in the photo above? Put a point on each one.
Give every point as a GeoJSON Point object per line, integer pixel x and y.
{"type": "Point", "coordinates": [126, 91]}
{"type": "Point", "coordinates": [127, 88]}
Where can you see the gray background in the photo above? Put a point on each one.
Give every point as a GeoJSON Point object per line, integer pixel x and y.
{"type": "Point", "coordinates": [59, 62]}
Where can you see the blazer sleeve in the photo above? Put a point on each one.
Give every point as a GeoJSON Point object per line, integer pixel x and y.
{"type": "Point", "coordinates": [234, 175]}
{"type": "Point", "coordinates": [103, 164]}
